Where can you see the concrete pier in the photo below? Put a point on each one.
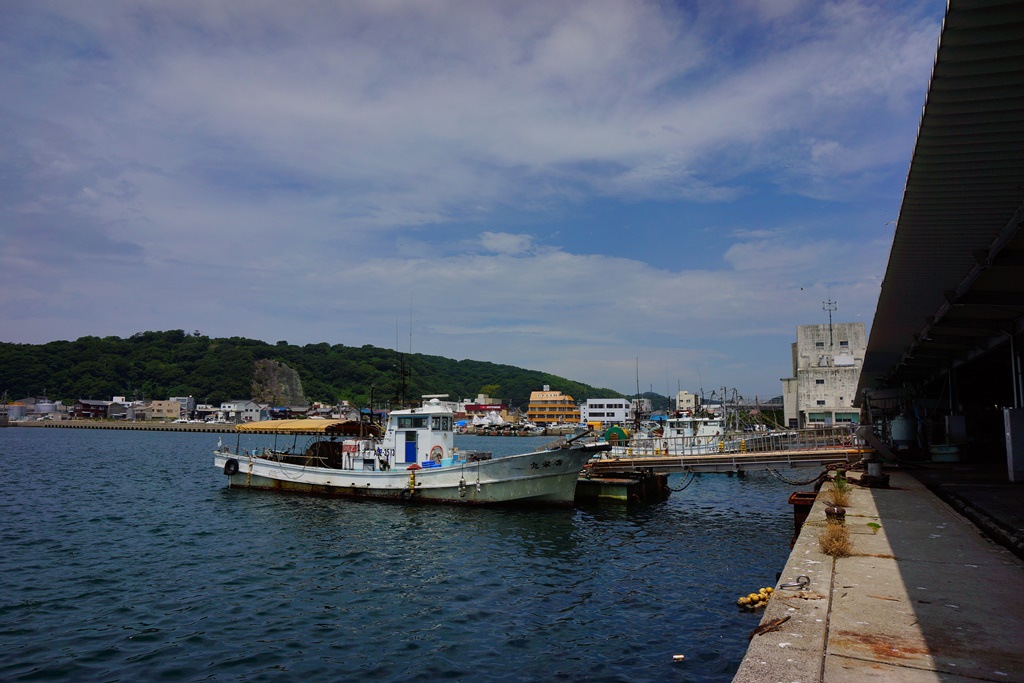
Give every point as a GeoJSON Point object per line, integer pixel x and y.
{"type": "Point", "coordinates": [924, 597]}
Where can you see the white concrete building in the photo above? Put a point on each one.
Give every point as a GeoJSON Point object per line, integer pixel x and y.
{"type": "Point", "coordinates": [827, 360]}
{"type": "Point", "coordinates": [607, 411]}
{"type": "Point", "coordinates": [241, 411]}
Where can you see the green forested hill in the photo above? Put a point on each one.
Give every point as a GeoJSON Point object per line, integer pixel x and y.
{"type": "Point", "coordinates": [158, 365]}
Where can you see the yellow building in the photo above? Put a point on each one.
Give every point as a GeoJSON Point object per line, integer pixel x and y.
{"type": "Point", "coordinates": [552, 407]}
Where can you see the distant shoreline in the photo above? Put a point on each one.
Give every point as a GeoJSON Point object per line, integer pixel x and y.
{"type": "Point", "coordinates": [137, 426]}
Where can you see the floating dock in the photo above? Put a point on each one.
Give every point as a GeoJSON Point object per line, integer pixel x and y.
{"type": "Point", "coordinates": [638, 486]}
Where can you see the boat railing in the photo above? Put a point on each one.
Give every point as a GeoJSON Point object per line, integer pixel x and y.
{"type": "Point", "coordinates": [815, 438]}
{"type": "Point", "coordinates": [324, 454]}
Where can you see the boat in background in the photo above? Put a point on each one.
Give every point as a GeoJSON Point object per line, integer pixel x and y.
{"type": "Point", "coordinates": [414, 459]}
{"type": "Point", "coordinates": [687, 433]}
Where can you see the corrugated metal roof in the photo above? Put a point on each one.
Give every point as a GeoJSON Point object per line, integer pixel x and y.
{"type": "Point", "coordinates": [954, 284]}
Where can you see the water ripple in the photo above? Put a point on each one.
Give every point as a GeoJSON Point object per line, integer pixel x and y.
{"type": "Point", "coordinates": [127, 559]}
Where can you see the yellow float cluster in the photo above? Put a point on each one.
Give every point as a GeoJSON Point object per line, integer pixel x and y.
{"type": "Point", "coordinates": [756, 600]}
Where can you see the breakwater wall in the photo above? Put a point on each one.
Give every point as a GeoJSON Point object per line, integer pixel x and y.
{"type": "Point", "coordinates": [139, 426]}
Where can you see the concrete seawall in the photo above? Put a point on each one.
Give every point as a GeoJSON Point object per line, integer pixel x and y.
{"type": "Point", "coordinates": [143, 426]}
{"type": "Point", "coordinates": [924, 597]}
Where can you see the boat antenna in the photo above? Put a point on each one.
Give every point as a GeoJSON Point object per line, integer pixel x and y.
{"type": "Point", "coordinates": [400, 395]}
{"type": "Point", "coordinates": [701, 382]}
{"type": "Point", "coordinates": [407, 372]}
{"type": "Point", "coordinates": [636, 412]}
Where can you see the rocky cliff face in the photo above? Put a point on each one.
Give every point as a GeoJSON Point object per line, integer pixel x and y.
{"type": "Point", "coordinates": [277, 384]}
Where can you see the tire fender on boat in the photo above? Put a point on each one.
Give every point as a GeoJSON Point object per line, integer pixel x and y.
{"type": "Point", "coordinates": [231, 467]}
{"type": "Point", "coordinates": [437, 453]}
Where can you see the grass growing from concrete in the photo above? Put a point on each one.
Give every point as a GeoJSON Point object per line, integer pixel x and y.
{"type": "Point", "coordinates": [834, 540]}
{"type": "Point", "coordinates": [839, 492]}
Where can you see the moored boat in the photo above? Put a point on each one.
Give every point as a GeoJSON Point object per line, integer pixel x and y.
{"type": "Point", "coordinates": [689, 434]}
{"type": "Point", "coordinates": [414, 459]}
{"type": "Point", "coordinates": [682, 434]}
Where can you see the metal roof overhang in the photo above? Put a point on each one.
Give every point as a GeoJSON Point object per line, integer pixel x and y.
{"type": "Point", "coordinates": [954, 285]}
{"type": "Point", "coordinates": [310, 427]}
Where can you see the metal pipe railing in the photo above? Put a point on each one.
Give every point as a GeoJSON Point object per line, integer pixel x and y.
{"type": "Point", "coordinates": [814, 438]}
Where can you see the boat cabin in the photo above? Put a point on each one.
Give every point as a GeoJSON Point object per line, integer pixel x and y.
{"type": "Point", "coordinates": [689, 425]}
{"type": "Point", "coordinates": [423, 435]}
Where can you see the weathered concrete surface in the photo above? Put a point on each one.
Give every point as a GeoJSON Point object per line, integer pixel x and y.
{"type": "Point", "coordinates": [925, 597]}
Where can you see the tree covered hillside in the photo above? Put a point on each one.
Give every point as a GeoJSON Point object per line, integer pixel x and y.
{"type": "Point", "coordinates": [157, 365]}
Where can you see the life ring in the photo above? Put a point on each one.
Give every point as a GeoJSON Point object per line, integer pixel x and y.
{"type": "Point", "coordinates": [437, 454]}
{"type": "Point", "coordinates": [231, 467]}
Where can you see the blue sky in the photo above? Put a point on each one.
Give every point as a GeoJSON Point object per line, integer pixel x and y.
{"type": "Point", "coordinates": [575, 187]}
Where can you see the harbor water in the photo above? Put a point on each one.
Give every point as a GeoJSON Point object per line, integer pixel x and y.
{"type": "Point", "coordinates": [125, 558]}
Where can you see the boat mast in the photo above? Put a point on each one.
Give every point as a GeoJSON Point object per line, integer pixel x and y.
{"type": "Point", "coordinates": [362, 432]}
{"type": "Point", "coordinates": [636, 411]}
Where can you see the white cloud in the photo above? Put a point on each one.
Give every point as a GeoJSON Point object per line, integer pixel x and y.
{"type": "Point", "coordinates": [285, 160]}
{"type": "Point", "coordinates": [505, 243]}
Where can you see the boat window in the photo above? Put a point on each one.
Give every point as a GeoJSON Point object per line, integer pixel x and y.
{"type": "Point", "coordinates": [441, 422]}
{"type": "Point", "coordinates": [412, 423]}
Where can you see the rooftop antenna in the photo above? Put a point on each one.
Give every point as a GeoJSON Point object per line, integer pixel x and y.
{"type": "Point", "coordinates": [829, 306]}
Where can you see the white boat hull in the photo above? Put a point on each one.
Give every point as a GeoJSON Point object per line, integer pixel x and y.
{"type": "Point", "coordinates": [540, 478]}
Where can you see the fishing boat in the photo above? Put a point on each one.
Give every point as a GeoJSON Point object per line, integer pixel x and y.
{"type": "Point", "coordinates": [681, 434]}
{"type": "Point", "coordinates": [414, 459]}
{"type": "Point", "coordinates": [686, 433]}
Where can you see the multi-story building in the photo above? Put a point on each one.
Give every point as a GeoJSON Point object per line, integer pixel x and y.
{"type": "Point", "coordinates": [827, 360]}
{"type": "Point", "coordinates": [163, 410]}
{"type": "Point", "coordinates": [686, 401]}
{"type": "Point", "coordinates": [87, 409]}
{"type": "Point", "coordinates": [642, 407]}
{"type": "Point", "coordinates": [552, 407]}
{"type": "Point", "coordinates": [188, 405]}
{"type": "Point", "coordinates": [242, 411]}
{"type": "Point", "coordinates": [607, 411]}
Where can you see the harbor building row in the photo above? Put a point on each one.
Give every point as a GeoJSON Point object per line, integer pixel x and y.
{"type": "Point", "coordinates": [546, 408]}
